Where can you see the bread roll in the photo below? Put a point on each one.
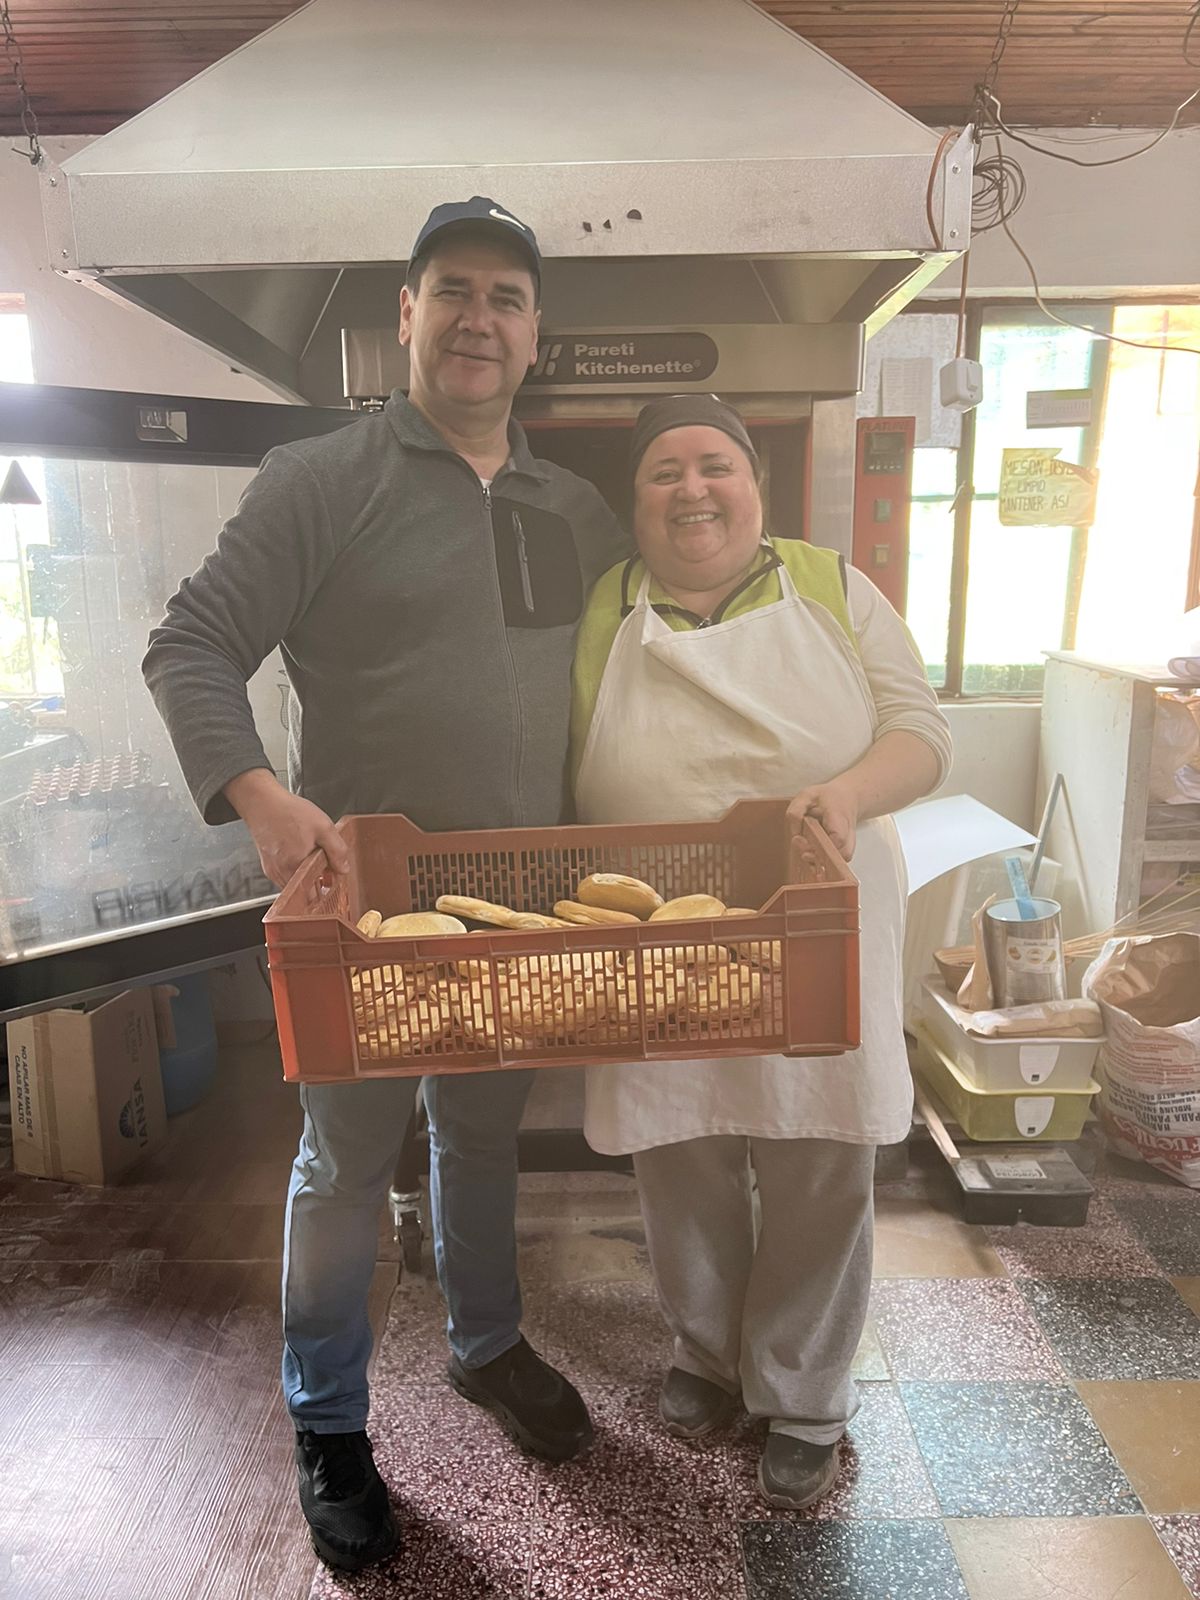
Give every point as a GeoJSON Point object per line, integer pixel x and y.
{"type": "Point", "coordinates": [761, 953]}
{"type": "Point", "coordinates": [613, 891]}
{"type": "Point", "coordinates": [696, 957]}
{"type": "Point", "coordinates": [542, 999]}
{"type": "Point", "coordinates": [527, 921]}
{"type": "Point", "coordinates": [381, 986]}
{"type": "Point", "coordinates": [663, 987]}
{"type": "Point", "coordinates": [457, 905]}
{"type": "Point", "coordinates": [731, 993]}
{"type": "Point", "coordinates": [418, 924]}
{"type": "Point", "coordinates": [689, 907]}
{"type": "Point", "coordinates": [623, 1015]}
{"type": "Point", "coordinates": [394, 1029]}
{"type": "Point", "coordinates": [470, 1001]}
{"type": "Point", "coordinates": [369, 923]}
{"type": "Point", "coordinates": [592, 916]}
{"type": "Point", "coordinates": [741, 911]}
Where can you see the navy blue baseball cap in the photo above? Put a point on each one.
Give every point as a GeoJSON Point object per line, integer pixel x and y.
{"type": "Point", "coordinates": [481, 212]}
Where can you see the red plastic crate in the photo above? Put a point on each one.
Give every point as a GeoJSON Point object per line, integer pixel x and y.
{"type": "Point", "coordinates": [352, 1007]}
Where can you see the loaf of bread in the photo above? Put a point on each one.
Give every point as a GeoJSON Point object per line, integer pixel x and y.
{"type": "Point", "coordinates": [663, 985]}
{"type": "Point", "coordinates": [732, 993]}
{"type": "Point", "coordinates": [760, 952]}
{"type": "Point", "coordinates": [392, 1026]}
{"type": "Point", "coordinates": [689, 907]}
{"type": "Point", "coordinates": [575, 912]}
{"type": "Point", "coordinates": [418, 924]}
{"type": "Point", "coordinates": [383, 986]}
{"type": "Point", "coordinates": [540, 999]}
{"type": "Point", "coordinates": [526, 921]}
{"type": "Point", "coordinates": [613, 891]}
{"type": "Point", "coordinates": [461, 905]}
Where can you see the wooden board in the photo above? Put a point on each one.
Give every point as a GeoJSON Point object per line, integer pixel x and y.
{"type": "Point", "coordinates": [91, 64]}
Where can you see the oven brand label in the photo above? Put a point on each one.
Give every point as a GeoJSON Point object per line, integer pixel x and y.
{"type": "Point", "coordinates": [616, 358]}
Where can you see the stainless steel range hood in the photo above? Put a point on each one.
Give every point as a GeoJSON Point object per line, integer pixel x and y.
{"type": "Point", "coordinates": [681, 160]}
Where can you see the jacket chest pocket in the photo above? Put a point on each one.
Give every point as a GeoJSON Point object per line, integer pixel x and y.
{"type": "Point", "coordinates": [541, 585]}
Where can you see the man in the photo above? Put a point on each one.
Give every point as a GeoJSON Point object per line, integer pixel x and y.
{"type": "Point", "coordinates": [423, 575]}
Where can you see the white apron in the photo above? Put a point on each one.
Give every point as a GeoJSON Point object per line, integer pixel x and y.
{"type": "Point", "coordinates": [759, 706]}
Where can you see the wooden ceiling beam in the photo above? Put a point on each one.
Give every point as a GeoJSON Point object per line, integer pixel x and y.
{"type": "Point", "coordinates": [92, 64]}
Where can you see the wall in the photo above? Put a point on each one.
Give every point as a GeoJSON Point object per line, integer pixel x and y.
{"type": "Point", "coordinates": [1132, 228]}
{"type": "Point", "coordinates": [87, 339]}
{"type": "Point", "coordinates": [996, 756]}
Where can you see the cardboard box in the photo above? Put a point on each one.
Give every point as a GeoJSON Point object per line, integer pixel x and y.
{"type": "Point", "coordinates": [87, 1098]}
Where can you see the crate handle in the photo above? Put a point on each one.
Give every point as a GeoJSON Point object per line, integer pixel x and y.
{"type": "Point", "coordinates": [312, 876]}
{"type": "Point", "coordinates": [813, 855]}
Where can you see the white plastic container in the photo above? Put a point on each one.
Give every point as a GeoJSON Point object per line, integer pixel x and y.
{"type": "Point", "coordinates": [1006, 1066]}
{"type": "Point", "coordinates": [993, 1116]}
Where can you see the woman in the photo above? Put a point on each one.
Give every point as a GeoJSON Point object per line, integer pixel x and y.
{"type": "Point", "coordinates": [719, 666]}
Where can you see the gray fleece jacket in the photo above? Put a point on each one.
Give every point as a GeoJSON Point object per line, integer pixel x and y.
{"type": "Point", "coordinates": [426, 625]}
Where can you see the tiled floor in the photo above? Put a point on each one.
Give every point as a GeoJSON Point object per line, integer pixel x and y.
{"type": "Point", "coordinates": [1029, 1430]}
{"type": "Point", "coordinates": [1030, 1423]}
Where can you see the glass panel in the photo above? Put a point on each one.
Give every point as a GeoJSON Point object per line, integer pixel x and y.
{"type": "Point", "coordinates": [1148, 455]}
{"type": "Point", "coordinates": [934, 473]}
{"type": "Point", "coordinates": [1015, 359]}
{"type": "Point", "coordinates": [16, 352]}
{"type": "Point", "coordinates": [29, 655]}
{"type": "Point", "coordinates": [1015, 597]}
{"type": "Point", "coordinates": [1017, 578]}
{"type": "Point", "coordinates": [930, 553]}
{"type": "Point", "coordinates": [97, 830]}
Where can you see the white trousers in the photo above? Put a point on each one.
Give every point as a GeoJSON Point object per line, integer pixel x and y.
{"type": "Point", "coordinates": [779, 1316]}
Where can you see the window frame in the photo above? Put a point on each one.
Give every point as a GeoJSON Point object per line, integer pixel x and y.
{"type": "Point", "coordinates": [1099, 313]}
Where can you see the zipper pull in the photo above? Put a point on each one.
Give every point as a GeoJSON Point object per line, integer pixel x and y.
{"type": "Point", "coordinates": [487, 495]}
{"type": "Point", "coordinates": [523, 563]}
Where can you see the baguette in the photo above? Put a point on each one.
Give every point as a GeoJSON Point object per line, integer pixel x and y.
{"type": "Point", "coordinates": [592, 916]}
{"type": "Point", "coordinates": [614, 891]}
{"type": "Point", "coordinates": [458, 905]}
{"type": "Point", "coordinates": [369, 923]}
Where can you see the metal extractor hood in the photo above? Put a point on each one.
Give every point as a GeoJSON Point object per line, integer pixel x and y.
{"type": "Point", "coordinates": [680, 160]}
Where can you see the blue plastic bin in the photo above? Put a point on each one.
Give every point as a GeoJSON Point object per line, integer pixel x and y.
{"type": "Point", "coordinates": [190, 1068]}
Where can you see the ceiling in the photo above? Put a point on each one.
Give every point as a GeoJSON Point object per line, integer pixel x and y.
{"type": "Point", "coordinates": [92, 65]}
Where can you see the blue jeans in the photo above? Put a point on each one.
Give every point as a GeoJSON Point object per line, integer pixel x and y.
{"type": "Point", "coordinates": [348, 1152]}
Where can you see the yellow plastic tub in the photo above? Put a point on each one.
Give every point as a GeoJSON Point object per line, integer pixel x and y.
{"type": "Point", "coordinates": [990, 1115]}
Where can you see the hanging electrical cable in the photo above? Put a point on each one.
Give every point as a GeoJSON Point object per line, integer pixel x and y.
{"type": "Point", "coordinates": [1194, 23]}
{"type": "Point", "coordinates": [16, 67]}
{"type": "Point", "coordinates": [1000, 184]}
{"type": "Point", "coordinates": [994, 109]}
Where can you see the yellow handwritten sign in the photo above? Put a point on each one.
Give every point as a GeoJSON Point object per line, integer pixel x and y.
{"type": "Point", "coordinates": [1037, 490]}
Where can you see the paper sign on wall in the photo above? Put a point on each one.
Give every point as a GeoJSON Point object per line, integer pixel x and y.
{"type": "Point", "coordinates": [906, 390]}
{"type": "Point", "coordinates": [1037, 490]}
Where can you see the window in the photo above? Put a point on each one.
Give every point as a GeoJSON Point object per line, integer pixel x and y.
{"type": "Point", "coordinates": [931, 556]}
{"type": "Point", "coordinates": [29, 656]}
{"type": "Point", "coordinates": [987, 600]}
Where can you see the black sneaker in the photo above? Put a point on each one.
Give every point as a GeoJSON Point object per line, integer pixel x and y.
{"type": "Point", "coordinates": [344, 1499]}
{"type": "Point", "coordinates": [537, 1406]}
{"type": "Point", "coordinates": [795, 1474]}
{"type": "Point", "coordinates": [692, 1407]}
